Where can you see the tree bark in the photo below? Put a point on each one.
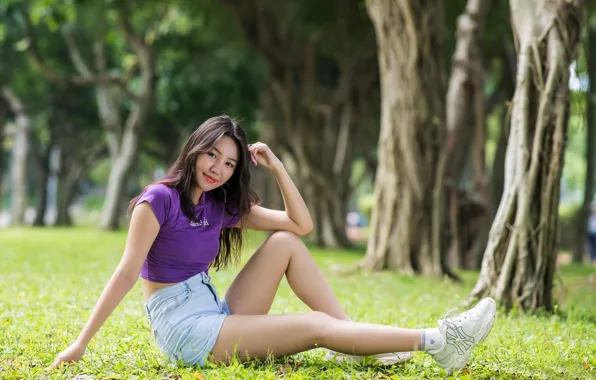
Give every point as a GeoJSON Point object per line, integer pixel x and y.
{"type": "Point", "coordinates": [20, 153]}
{"type": "Point", "coordinates": [584, 211]}
{"type": "Point", "coordinates": [520, 258]}
{"type": "Point", "coordinates": [408, 215]}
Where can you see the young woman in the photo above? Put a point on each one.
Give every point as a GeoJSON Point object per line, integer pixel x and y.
{"type": "Point", "coordinates": [193, 220]}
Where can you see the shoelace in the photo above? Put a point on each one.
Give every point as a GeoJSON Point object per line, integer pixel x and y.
{"type": "Point", "coordinates": [449, 313]}
{"type": "Point", "coordinates": [464, 315]}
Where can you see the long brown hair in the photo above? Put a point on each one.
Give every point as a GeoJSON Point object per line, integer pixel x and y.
{"type": "Point", "coordinates": [239, 197]}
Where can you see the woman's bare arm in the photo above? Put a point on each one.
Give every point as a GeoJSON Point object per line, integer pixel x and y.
{"type": "Point", "coordinates": [142, 232]}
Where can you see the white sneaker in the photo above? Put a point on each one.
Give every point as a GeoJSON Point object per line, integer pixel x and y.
{"type": "Point", "coordinates": [382, 359]}
{"type": "Point", "coordinates": [462, 333]}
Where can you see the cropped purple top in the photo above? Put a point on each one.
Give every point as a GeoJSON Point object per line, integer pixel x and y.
{"type": "Point", "coordinates": [183, 248]}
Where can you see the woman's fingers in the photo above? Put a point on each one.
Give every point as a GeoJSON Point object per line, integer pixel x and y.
{"type": "Point", "coordinates": [257, 148]}
{"type": "Point", "coordinates": [56, 364]}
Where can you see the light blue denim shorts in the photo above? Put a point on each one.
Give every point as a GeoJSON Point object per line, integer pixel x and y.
{"type": "Point", "coordinates": [186, 319]}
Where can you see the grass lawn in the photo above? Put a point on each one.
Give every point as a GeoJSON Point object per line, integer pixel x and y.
{"type": "Point", "coordinates": [50, 280]}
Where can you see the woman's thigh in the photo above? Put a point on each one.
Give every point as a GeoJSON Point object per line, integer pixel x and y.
{"type": "Point", "coordinates": [260, 336]}
{"type": "Point", "coordinates": [253, 290]}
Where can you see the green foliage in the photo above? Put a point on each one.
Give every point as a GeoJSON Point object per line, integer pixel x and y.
{"type": "Point", "coordinates": [366, 204]}
{"type": "Point", "coordinates": [51, 279]}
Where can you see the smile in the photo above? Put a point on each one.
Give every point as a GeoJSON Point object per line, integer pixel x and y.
{"type": "Point", "coordinates": [210, 179]}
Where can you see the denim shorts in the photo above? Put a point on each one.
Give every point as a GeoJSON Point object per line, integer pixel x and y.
{"type": "Point", "coordinates": [186, 318]}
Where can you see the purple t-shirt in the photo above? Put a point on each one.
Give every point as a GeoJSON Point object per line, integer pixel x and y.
{"type": "Point", "coordinates": [183, 248]}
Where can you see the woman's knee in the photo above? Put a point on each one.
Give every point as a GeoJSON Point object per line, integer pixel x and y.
{"type": "Point", "coordinates": [319, 324]}
{"type": "Point", "coordinates": [285, 239]}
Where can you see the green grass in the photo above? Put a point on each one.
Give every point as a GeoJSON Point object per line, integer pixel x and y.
{"type": "Point", "coordinates": [50, 280]}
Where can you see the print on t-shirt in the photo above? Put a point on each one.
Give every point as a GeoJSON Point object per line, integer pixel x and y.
{"type": "Point", "coordinates": [199, 223]}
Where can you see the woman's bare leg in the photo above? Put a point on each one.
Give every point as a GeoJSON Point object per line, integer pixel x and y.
{"type": "Point", "coordinates": [258, 336]}
{"type": "Point", "coordinates": [253, 290]}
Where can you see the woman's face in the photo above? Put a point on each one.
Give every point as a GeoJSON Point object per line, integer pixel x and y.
{"type": "Point", "coordinates": [215, 167]}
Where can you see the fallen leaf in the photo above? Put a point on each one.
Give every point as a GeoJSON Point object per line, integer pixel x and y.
{"type": "Point", "coordinates": [198, 375]}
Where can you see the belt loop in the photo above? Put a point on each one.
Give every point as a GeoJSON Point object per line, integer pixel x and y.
{"type": "Point", "coordinates": [205, 277]}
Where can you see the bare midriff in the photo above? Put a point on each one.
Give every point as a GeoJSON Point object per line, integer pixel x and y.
{"type": "Point", "coordinates": [150, 287]}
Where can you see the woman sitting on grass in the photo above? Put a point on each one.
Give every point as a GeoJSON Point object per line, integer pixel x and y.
{"type": "Point", "coordinates": [193, 220]}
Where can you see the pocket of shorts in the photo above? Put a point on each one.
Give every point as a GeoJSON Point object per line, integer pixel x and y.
{"type": "Point", "coordinates": [175, 302]}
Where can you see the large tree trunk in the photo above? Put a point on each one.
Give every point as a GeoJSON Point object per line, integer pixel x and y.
{"type": "Point", "coordinates": [584, 211]}
{"type": "Point", "coordinates": [520, 258]}
{"type": "Point", "coordinates": [466, 85]}
{"type": "Point", "coordinates": [20, 152]}
{"type": "Point", "coordinates": [466, 127]}
{"type": "Point", "coordinates": [407, 217]}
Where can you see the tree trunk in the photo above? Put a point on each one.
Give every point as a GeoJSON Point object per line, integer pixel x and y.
{"type": "Point", "coordinates": [20, 152]}
{"type": "Point", "coordinates": [466, 83]}
{"type": "Point", "coordinates": [407, 217]}
{"type": "Point", "coordinates": [42, 187]}
{"type": "Point", "coordinates": [520, 257]}
{"type": "Point", "coordinates": [4, 115]}
{"type": "Point", "coordinates": [269, 189]}
{"type": "Point", "coordinates": [67, 185]}
{"type": "Point", "coordinates": [466, 127]}
{"type": "Point", "coordinates": [110, 214]}
{"type": "Point", "coordinates": [69, 173]}
{"type": "Point", "coordinates": [127, 146]}
{"type": "Point", "coordinates": [584, 211]}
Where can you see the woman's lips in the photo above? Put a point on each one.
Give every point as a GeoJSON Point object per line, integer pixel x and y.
{"type": "Point", "coordinates": [210, 179]}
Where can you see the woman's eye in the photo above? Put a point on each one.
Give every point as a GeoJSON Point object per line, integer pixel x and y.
{"type": "Point", "coordinates": [212, 155]}
{"type": "Point", "coordinates": [230, 164]}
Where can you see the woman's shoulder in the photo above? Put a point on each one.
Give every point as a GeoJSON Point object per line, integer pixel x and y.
{"type": "Point", "coordinates": [160, 193]}
{"type": "Point", "coordinates": [161, 189]}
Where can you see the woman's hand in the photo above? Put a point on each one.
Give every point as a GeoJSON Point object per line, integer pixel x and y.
{"type": "Point", "coordinates": [262, 155]}
{"type": "Point", "coordinates": [72, 354]}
